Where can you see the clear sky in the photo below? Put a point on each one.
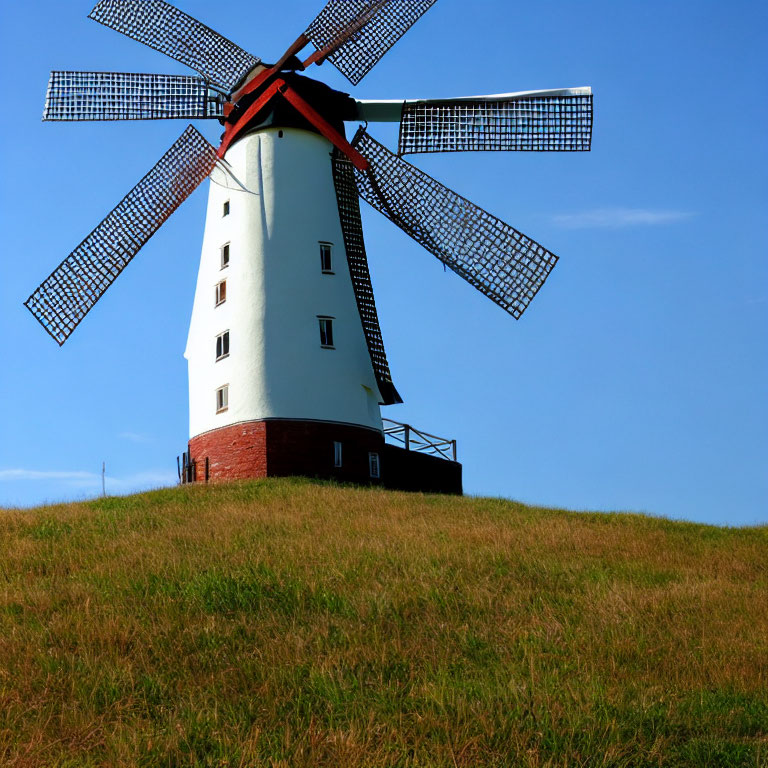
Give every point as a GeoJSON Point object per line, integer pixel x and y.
{"type": "Point", "coordinates": [637, 379]}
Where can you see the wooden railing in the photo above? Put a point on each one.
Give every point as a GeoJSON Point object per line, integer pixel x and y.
{"type": "Point", "coordinates": [422, 442]}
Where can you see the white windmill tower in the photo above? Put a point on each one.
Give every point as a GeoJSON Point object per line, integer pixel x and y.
{"type": "Point", "coordinates": [287, 367]}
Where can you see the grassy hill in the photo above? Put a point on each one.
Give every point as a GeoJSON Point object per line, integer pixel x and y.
{"type": "Point", "coordinates": [292, 623]}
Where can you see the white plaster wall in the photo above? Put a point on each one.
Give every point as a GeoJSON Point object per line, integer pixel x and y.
{"type": "Point", "coordinates": [275, 291]}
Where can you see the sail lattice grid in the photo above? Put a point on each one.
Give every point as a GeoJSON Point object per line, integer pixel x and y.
{"type": "Point", "coordinates": [354, 245]}
{"type": "Point", "coordinates": [381, 24]}
{"type": "Point", "coordinates": [127, 96]}
{"type": "Point", "coordinates": [71, 291]}
{"type": "Point", "coordinates": [167, 29]}
{"type": "Point", "coordinates": [533, 124]}
{"type": "Point", "coordinates": [501, 262]}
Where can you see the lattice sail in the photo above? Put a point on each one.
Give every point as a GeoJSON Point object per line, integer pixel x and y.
{"type": "Point", "coordinates": [128, 96]}
{"type": "Point", "coordinates": [165, 28]}
{"type": "Point", "coordinates": [553, 121]}
{"type": "Point", "coordinates": [502, 263]}
{"type": "Point", "coordinates": [354, 245]}
{"type": "Point", "coordinates": [359, 32]}
{"type": "Point", "coordinates": [71, 291]}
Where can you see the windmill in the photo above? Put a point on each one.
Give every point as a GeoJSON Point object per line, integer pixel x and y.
{"type": "Point", "coordinates": [287, 367]}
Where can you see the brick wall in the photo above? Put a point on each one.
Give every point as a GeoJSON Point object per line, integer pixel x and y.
{"type": "Point", "coordinates": [306, 448]}
{"type": "Point", "coordinates": [234, 453]}
{"type": "Point", "coordinates": [281, 448]}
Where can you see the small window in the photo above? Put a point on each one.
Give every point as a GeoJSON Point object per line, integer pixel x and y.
{"type": "Point", "coordinates": [326, 263]}
{"type": "Point", "coordinates": [326, 332]}
{"type": "Point", "coordinates": [337, 454]}
{"type": "Point", "coordinates": [222, 398]}
{"type": "Point", "coordinates": [221, 292]}
{"type": "Point", "coordinates": [373, 465]}
{"type": "Point", "coordinates": [225, 209]}
{"type": "Point", "coordinates": [225, 255]}
{"type": "Point", "coordinates": [222, 345]}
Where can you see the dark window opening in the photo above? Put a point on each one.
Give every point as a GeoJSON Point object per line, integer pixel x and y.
{"type": "Point", "coordinates": [222, 345]}
{"type": "Point", "coordinates": [326, 332]}
{"type": "Point", "coordinates": [337, 454]}
{"type": "Point", "coordinates": [326, 262]}
{"type": "Point", "coordinates": [225, 256]}
{"type": "Point", "coordinates": [373, 465]}
{"type": "Point", "coordinates": [226, 209]}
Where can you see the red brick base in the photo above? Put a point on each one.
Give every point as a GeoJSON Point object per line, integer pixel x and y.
{"type": "Point", "coordinates": [281, 448]}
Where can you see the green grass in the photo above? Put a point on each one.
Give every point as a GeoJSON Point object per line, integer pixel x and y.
{"type": "Point", "coordinates": [293, 623]}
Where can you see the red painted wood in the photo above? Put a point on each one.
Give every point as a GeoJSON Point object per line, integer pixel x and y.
{"type": "Point", "coordinates": [295, 48]}
{"type": "Point", "coordinates": [279, 86]}
{"type": "Point", "coordinates": [252, 85]}
{"type": "Point", "coordinates": [318, 57]}
{"type": "Point", "coordinates": [232, 131]}
{"type": "Point", "coordinates": [325, 128]}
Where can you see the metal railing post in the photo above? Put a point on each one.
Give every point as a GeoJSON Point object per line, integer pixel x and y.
{"type": "Point", "coordinates": [453, 443]}
{"type": "Point", "coordinates": [407, 438]}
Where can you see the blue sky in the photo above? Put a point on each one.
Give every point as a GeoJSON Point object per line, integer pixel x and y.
{"type": "Point", "coordinates": [637, 379]}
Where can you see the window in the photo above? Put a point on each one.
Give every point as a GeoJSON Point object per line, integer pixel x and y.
{"type": "Point", "coordinates": [326, 332]}
{"type": "Point", "coordinates": [225, 210]}
{"type": "Point", "coordinates": [222, 398]}
{"type": "Point", "coordinates": [326, 264]}
{"type": "Point", "coordinates": [373, 465]}
{"type": "Point", "coordinates": [225, 255]}
{"type": "Point", "coordinates": [222, 345]}
{"type": "Point", "coordinates": [221, 292]}
{"type": "Point", "coordinates": [337, 454]}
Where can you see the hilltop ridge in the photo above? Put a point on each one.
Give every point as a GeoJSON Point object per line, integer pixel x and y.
{"type": "Point", "coordinates": [298, 623]}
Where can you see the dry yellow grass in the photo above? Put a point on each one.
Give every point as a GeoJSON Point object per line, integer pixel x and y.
{"type": "Point", "coordinates": [291, 623]}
